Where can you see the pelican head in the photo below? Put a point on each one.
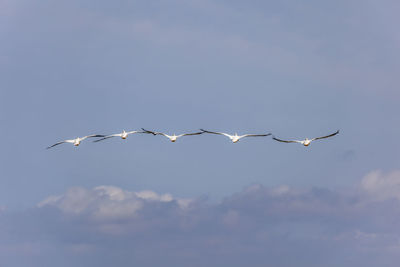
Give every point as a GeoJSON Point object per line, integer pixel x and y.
{"type": "Point", "coordinates": [173, 138]}
{"type": "Point", "coordinates": [306, 142]}
{"type": "Point", "coordinates": [124, 134]}
{"type": "Point", "coordinates": [77, 142]}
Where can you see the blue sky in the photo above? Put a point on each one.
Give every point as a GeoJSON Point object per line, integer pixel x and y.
{"type": "Point", "coordinates": [297, 70]}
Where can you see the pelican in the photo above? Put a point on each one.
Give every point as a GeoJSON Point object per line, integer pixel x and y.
{"type": "Point", "coordinates": [123, 135]}
{"type": "Point", "coordinates": [173, 137]}
{"type": "Point", "coordinates": [235, 138]}
{"type": "Point", "coordinates": [305, 142]}
{"type": "Point", "coordinates": [76, 141]}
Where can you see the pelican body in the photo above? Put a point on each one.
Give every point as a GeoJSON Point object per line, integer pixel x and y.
{"type": "Point", "coordinates": [173, 137]}
{"type": "Point", "coordinates": [306, 142]}
{"type": "Point", "coordinates": [235, 138]}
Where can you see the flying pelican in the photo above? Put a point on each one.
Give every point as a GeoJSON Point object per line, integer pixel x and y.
{"type": "Point", "coordinates": [123, 135]}
{"type": "Point", "coordinates": [305, 142]}
{"type": "Point", "coordinates": [173, 137]}
{"type": "Point", "coordinates": [235, 138]}
{"type": "Point", "coordinates": [75, 141]}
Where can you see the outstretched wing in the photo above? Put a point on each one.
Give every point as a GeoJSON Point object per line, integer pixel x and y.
{"type": "Point", "coordinates": [254, 135]}
{"type": "Point", "coordinates": [62, 142]}
{"type": "Point", "coordinates": [104, 138]}
{"type": "Point", "coordinates": [133, 132]}
{"type": "Point", "coordinates": [157, 133]}
{"type": "Point", "coordinates": [285, 141]}
{"type": "Point", "coordinates": [163, 134]}
{"type": "Point", "coordinates": [149, 132]}
{"type": "Point", "coordinates": [93, 135]}
{"type": "Point", "coordinates": [322, 137]}
{"type": "Point", "coordinates": [205, 131]}
{"type": "Point", "coordinates": [59, 143]}
{"type": "Point", "coordinates": [190, 134]}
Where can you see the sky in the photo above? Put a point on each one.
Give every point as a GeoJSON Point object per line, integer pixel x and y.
{"type": "Point", "coordinates": [73, 68]}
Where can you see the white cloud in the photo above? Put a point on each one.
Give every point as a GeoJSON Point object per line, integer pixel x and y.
{"type": "Point", "coordinates": [150, 195]}
{"type": "Point", "coordinates": [75, 200]}
{"type": "Point", "coordinates": [382, 186]}
{"type": "Point", "coordinates": [112, 192]}
{"type": "Point", "coordinates": [107, 202]}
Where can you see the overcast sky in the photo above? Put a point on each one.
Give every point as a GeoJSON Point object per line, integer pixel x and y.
{"type": "Point", "coordinates": [73, 68]}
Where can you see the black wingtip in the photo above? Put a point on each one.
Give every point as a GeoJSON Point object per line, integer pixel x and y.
{"type": "Point", "coordinates": [149, 132]}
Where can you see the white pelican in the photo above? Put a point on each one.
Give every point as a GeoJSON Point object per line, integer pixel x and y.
{"type": "Point", "coordinates": [305, 142]}
{"type": "Point", "coordinates": [76, 141]}
{"type": "Point", "coordinates": [235, 138]}
{"type": "Point", "coordinates": [123, 135]}
{"type": "Point", "coordinates": [173, 137]}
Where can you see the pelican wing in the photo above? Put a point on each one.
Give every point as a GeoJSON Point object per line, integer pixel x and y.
{"type": "Point", "coordinates": [159, 133]}
{"type": "Point", "coordinates": [254, 135]}
{"type": "Point", "coordinates": [205, 131]}
{"type": "Point", "coordinates": [93, 135]}
{"type": "Point", "coordinates": [133, 132]}
{"type": "Point", "coordinates": [62, 142]}
{"type": "Point", "coordinates": [322, 137]}
{"type": "Point", "coordinates": [163, 134]}
{"type": "Point", "coordinates": [150, 132]}
{"type": "Point", "coordinates": [190, 134]}
{"type": "Point", "coordinates": [56, 144]}
{"type": "Point", "coordinates": [285, 141]}
{"type": "Point", "coordinates": [106, 137]}
{"type": "Point", "coordinates": [113, 135]}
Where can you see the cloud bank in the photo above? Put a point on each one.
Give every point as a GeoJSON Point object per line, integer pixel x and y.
{"type": "Point", "coordinates": [258, 226]}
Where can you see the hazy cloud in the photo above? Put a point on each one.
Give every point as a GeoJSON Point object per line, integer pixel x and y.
{"type": "Point", "coordinates": [270, 226]}
{"type": "Point", "coordinates": [382, 185]}
{"type": "Point", "coordinates": [107, 202]}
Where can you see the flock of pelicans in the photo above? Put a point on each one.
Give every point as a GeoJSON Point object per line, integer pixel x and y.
{"type": "Point", "coordinates": [234, 138]}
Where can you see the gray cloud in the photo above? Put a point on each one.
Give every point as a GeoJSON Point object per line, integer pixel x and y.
{"type": "Point", "coordinates": [262, 226]}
